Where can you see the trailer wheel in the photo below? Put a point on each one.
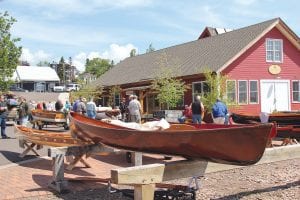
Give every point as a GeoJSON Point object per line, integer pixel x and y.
{"type": "Point", "coordinates": [66, 127]}
{"type": "Point", "coordinates": [40, 127]}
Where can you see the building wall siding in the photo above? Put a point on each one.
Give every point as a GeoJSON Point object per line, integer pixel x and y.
{"type": "Point", "coordinates": [252, 65]}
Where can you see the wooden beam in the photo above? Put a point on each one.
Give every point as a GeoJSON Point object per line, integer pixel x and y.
{"type": "Point", "coordinates": [156, 173]}
{"type": "Point", "coordinates": [144, 192]}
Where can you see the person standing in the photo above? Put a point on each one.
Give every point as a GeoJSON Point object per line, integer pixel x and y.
{"type": "Point", "coordinates": [23, 111]}
{"type": "Point", "coordinates": [123, 109]}
{"type": "Point", "coordinates": [91, 108]}
{"type": "Point", "coordinates": [3, 116]}
{"type": "Point", "coordinates": [197, 110]}
{"type": "Point", "coordinates": [59, 106]}
{"type": "Point", "coordinates": [219, 112]}
{"type": "Point", "coordinates": [81, 107]}
{"type": "Point", "coordinates": [135, 109]}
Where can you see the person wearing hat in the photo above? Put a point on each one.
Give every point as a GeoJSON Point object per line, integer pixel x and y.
{"type": "Point", "coordinates": [135, 109]}
{"type": "Point", "coordinates": [81, 107]}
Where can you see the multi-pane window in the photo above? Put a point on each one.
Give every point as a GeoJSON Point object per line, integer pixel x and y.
{"type": "Point", "coordinates": [274, 50]}
{"type": "Point", "coordinates": [117, 99]}
{"type": "Point", "coordinates": [231, 91]}
{"type": "Point", "coordinates": [242, 89]}
{"type": "Point", "coordinates": [200, 88]}
{"type": "Point", "coordinates": [253, 91]}
{"type": "Point", "coordinates": [296, 91]}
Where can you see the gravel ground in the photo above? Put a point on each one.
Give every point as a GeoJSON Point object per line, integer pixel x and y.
{"type": "Point", "coordinates": [273, 181]}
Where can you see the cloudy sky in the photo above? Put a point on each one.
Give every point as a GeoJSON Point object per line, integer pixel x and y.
{"type": "Point", "coordinates": [50, 29]}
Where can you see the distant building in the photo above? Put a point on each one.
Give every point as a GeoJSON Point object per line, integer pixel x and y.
{"type": "Point", "coordinates": [87, 77]}
{"type": "Point", "coordinates": [35, 78]}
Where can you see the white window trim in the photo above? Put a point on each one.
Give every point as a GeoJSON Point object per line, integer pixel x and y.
{"type": "Point", "coordinates": [297, 102]}
{"type": "Point", "coordinates": [257, 92]}
{"type": "Point", "coordinates": [272, 61]}
{"type": "Point", "coordinates": [238, 95]}
{"type": "Point", "coordinates": [234, 89]}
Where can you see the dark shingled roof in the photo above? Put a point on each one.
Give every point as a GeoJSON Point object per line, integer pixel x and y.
{"type": "Point", "coordinates": [188, 58]}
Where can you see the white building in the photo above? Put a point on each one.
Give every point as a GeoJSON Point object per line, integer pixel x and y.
{"type": "Point", "coordinates": [35, 78]}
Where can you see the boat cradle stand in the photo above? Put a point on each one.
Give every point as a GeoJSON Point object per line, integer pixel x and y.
{"type": "Point", "coordinates": [28, 146]}
{"type": "Point", "coordinates": [145, 178]}
{"type": "Point", "coordinates": [58, 182]}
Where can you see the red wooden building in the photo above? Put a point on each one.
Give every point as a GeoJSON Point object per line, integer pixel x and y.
{"type": "Point", "coordinates": [261, 60]}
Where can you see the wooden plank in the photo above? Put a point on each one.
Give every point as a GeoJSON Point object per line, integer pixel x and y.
{"type": "Point", "coordinates": [156, 173]}
{"type": "Point", "coordinates": [144, 192]}
{"type": "Point", "coordinates": [270, 155]}
{"type": "Point", "coordinates": [137, 158]}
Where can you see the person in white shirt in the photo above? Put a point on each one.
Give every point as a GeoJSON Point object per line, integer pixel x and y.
{"type": "Point", "coordinates": [135, 109]}
{"type": "Point", "coordinates": [91, 109]}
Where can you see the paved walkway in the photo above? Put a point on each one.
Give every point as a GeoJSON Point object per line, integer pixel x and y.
{"type": "Point", "coordinates": [30, 179]}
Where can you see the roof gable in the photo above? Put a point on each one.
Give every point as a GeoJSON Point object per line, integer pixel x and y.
{"type": "Point", "coordinates": [215, 53]}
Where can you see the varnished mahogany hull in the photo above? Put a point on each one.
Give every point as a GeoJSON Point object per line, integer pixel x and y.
{"type": "Point", "coordinates": [49, 116]}
{"type": "Point", "coordinates": [239, 145]}
{"type": "Point", "coordinates": [54, 139]}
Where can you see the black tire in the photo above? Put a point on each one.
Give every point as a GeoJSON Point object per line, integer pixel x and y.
{"type": "Point", "coordinates": [40, 127]}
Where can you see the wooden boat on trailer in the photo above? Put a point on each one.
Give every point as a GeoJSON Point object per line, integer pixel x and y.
{"type": "Point", "coordinates": [47, 138]}
{"type": "Point", "coordinates": [281, 118]}
{"type": "Point", "coordinates": [228, 144]}
{"type": "Point", "coordinates": [45, 117]}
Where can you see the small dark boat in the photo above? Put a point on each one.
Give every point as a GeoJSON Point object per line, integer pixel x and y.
{"type": "Point", "coordinates": [54, 139]}
{"type": "Point", "coordinates": [289, 131]}
{"type": "Point", "coordinates": [228, 144]}
{"type": "Point", "coordinates": [281, 118]}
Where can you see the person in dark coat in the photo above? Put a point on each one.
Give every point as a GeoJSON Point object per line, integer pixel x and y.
{"type": "Point", "coordinates": [3, 116]}
{"type": "Point", "coordinates": [197, 110]}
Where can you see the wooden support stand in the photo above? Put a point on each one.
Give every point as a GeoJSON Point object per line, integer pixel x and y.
{"type": "Point", "coordinates": [28, 146]}
{"type": "Point", "coordinates": [75, 154]}
{"type": "Point", "coordinates": [143, 178]}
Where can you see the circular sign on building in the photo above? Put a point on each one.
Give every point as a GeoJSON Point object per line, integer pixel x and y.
{"type": "Point", "coordinates": [274, 69]}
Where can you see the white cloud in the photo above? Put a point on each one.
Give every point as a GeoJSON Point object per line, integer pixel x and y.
{"type": "Point", "coordinates": [245, 2]}
{"type": "Point", "coordinates": [34, 57]}
{"type": "Point", "coordinates": [115, 53]}
{"type": "Point", "coordinates": [48, 7]}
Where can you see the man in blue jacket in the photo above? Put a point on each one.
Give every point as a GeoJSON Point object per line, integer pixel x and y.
{"type": "Point", "coordinates": [219, 112]}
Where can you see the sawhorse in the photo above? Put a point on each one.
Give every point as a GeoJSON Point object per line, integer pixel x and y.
{"type": "Point", "coordinates": [28, 146]}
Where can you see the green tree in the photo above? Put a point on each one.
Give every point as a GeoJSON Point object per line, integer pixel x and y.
{"type": "Point", "coordinates": [9, 51]}
{"type": "Point", "coordinates": [133, 52]}
{"type": "Point", "coordinates": [87, 91]}
{"type": "Point", "coordinates": [98, 66]}
{"type": "Point", "coordinates": [43, 64]}
{"type": "Point", "coordinates": [150, 48]}
{"type": "Point", "coordinates": [170, 89]}
{"type": "Point", "coordinates": [217, 89]}
{"type": "Point", "coordinates": [61, 69]}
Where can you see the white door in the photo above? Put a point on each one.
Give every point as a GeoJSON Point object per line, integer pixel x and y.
{"type": "Point", "coordinates": [275, 95]}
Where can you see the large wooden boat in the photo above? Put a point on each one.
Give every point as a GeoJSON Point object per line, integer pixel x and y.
{"type": "Point", "coordinates": [47, 138]}
{"type": "Point", "coordinates": [232, 144]}
{"type": "Point", "coordinates": [45, 117]}
{"type": "Point", "coordinates": [281, 118]}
